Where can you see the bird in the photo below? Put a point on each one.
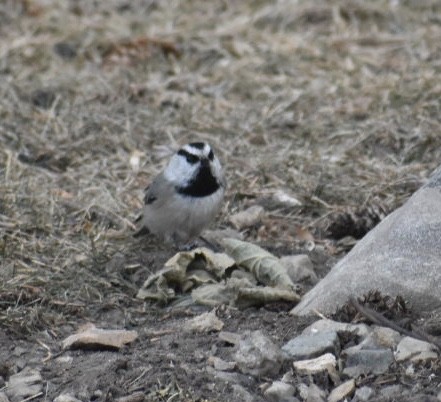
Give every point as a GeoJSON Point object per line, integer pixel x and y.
{"type": "Point", "coordinates": [185, 197]}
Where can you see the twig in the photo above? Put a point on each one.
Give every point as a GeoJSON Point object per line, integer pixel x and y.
{"type": "Point", "coordinates": [379, 319]}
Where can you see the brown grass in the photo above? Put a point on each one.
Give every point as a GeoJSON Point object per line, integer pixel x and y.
{"type": "Point", "coordinates": [335, 102]}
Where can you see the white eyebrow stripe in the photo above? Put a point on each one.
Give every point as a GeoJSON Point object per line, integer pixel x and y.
{"type": "Point", "coordinates": [197, 151]}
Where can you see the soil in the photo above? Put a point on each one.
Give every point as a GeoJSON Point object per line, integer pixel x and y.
{"type": "Point", "coordinates": [335, 103]}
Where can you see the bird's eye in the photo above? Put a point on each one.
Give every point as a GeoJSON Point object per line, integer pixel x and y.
{"type": "Point", "coordinates": [191, 159]}
{"type": "Point", "coordinates": [211, 155]}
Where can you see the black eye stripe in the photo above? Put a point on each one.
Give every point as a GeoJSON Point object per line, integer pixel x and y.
{"type": "Point", "coordinates": [192, 159]}
{"type": "Point", "coordinates": [211, 155]}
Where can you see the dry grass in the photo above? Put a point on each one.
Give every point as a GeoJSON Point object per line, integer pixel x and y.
{"type": "Point", "coordinates": [337, 102]}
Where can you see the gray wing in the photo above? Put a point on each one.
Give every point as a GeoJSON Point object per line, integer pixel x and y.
{"type": "Point", "coordinates": [153, 196]}
{"type": "Point", "coordinates": [157, 191]}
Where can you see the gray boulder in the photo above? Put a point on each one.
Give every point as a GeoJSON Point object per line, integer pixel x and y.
{"type": "Point", "coordinates": [400, 256]}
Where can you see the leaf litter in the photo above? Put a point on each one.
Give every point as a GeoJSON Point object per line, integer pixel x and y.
{"type": "Point", "coordinates": [334, 103]}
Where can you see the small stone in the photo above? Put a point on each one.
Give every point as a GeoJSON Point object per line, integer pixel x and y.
{"type": "Point", "coordinates": [309, 346]}
{"type": "Point", "coordinates": [342, 391]}
{"type": "Point", "coordinates": [360, 362]}
{"type": "Point", "coordinates": [391, 391]}
{"type": "Point", "coordinates": [364, 394]}
{"type": "Point", "coordinates": [65, 50]}
{"type": "Point", "coordinates": [280, 391]}
{"type": "Point", "coordinates": [385, 337]}
{"type": "Point", "coordinates": [299, 268]}
{"type": "Point", "coordinates": [242, 393]}
{"type": "Point", "coordinates": [415, 350]}
{"type": "Point", "coordinates": [317, 365]}
{"type": "Point", "coordinates": [257, 355]}
{"type": "Point", "coordinates": [43, 98]}
{"type": "Point", "coordinates": [3, 397]}
{"type": "Point", "coordinates": [66, 398]}
{"type": "Point", "coordinates": [315, 394]}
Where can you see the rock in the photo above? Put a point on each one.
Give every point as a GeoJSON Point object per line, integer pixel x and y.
{"type": "Point", "coordinates": [3, 397]}
{"type": "Point", "coordinates": [66, 398]}
{"type": "Point", "coordinates": [330, 325]}
{"type": "Point", "coordinates": [378, 338]}
{"type": "Point", "coordinates": [311, 366]}
{"type": "Point", "coordinates": [364, 394]}
{"type": "Point", "coordinates": [360, 362]}
{"type": "Point", "coordinates": [383, 337]}
{"type": "Point", "coordinates": [309, 346]}
{"type": "Point", "coordinates": [391, 391]}
{"type": "Point", "coordinates": [242, 393]}
{"type": "Point", "coordinates": [280, 391]}
{"type": "Point", "coordinates": [400, 256]}
{"type": "Point", "coordinates": [299, 268]}
{"type": "Point", "coordinates": [342, 391]}
{"type": "Point", "coordinates": [27, 382]}
{"type": "Point", "coordinates": [257, 355]}
{"type": "Point", "coordinates": [415, 350]}
{"type": "Point", "coordinates": [315, 394]}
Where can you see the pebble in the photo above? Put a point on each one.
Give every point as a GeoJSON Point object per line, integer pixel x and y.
{"type": "Point", "coordinates": [280, 391]}
{"type": "Point", "coordinates": [317, 365]}
{"type": "Point", "coordinates": [342, 391]}
{"type": "Point", "coordinates": [391, 391]}
{"type": "Point", "coordinates": [315, 394]}
{"type": "Point", "coordinates": [66, 398]}
{"type": "Point", "coordinates": [3, 397]}
{"type": "Point", "coordinates": [257, 355]}
{"type": "Point", "coordinates": [313, 345]}
{"type": "Point", "coordinates": [364, 394]}
{"type": "Point", "coordinates": [415, 350]}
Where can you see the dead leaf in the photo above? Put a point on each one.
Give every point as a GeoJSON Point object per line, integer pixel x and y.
{"type": "Point", "coordinates": [96, 338]}
{"type": "Point", "coordinates": [186, 270]}
{"type": "Point", "coordinates": [204, 323]}
{"type": "Point", "coordinates": [265, 266]}
{"type": "Point", "coordinates": [282, 198]}
{"type": "Point", "coordinates": [247, 297]}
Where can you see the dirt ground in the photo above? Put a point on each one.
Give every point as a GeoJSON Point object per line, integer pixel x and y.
{"type": "Point", "coordinates": [336, 103]}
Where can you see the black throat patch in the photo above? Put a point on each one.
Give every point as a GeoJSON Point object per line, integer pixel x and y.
{"type": "Point", "coordinates": [203, 185]}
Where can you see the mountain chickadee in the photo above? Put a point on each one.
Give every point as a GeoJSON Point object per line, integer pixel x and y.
{"type": "Point", "coordinates": [184, 198]}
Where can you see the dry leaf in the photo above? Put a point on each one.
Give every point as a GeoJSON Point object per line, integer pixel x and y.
{"type": "Point", "coordinates": [265, 266]}
{"type": "Point", "coordinates": [247, 297]}
{"type": "Point", "coordinates": [206, 322]}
